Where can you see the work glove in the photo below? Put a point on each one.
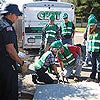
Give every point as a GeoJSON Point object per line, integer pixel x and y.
{"type": "Point", "coordinates": [63, 72]}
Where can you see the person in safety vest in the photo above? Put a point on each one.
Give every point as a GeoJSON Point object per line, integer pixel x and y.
{"type": "Point", "coordinates": [46, 62]}
{"type": "Point", "coordinates": [67, 30]}
{"type": "Point", "coordinates": [69, 57]}
{"type": "Point", "coordinates": [94, 48]}
{"type": "Point", "coordinates": [50, 33]}
{"type": "Point", "coordinates": [87, 56]}
{"type": "Point", "coordinates": [9, 54]}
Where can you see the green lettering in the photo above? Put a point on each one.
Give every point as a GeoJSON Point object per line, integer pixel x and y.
{"type": "Point", "coordinates": [44, 15]}
{"type": "Point", "coordinates": [57, 15]}
{"type": "Point", "coordinates": [40, 15]}
{"type": "Point", "coordinates": [47, 14]}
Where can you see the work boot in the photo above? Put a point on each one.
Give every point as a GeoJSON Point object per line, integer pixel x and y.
{"type": "Point", "coordinates": [34, 78]}
{"type": "Point", "coordinates": [76, 79]}
{"type": "Point", "coordinates": [55, 82]}
{"type": "Point", "coordinates": [67, 79]}
{"type": "Point", "coordinates": [90, 80]}
{"type": "Point", "coordinates": [96, 81]}
{"type": "Point", "coordinates": [85, 65]}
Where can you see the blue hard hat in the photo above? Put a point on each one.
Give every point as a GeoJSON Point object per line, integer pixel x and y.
{"type": "Point", "coordinates": [13, 9]}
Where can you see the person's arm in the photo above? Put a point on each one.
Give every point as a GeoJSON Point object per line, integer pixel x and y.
{"type": "Point", "coordinates": [85, 33]}
{"type": "Point", "coordinates": [58, 35]}
{"type": "Point", "coordinates": [93, 29]}
{"type": "Point", "coordinates": [79, 51]}
{"type": "Point", "coordinates": [13, 54]}
{"type": "Point", "coordinates": [51, 60]}
{"type": "Point", "coordinates": [73, 30]}
{"type": "Point", "coordinates": [43, 36]}
{"type": "Point", "coordinates": [60, 30]}
{"type": "Point", "coordinates": [60, 63]}
{"type": "Point", "coordinates": [55, 68]}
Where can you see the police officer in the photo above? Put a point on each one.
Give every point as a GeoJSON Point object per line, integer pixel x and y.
{"type": "Point", "coordinates": [8, 54]}
{"type": "Point", "coordinates": [46, 62]}
{"type": "Point", "coordinates": [50, 33]}
{"type": "Point", "coordinates": [67, 30]}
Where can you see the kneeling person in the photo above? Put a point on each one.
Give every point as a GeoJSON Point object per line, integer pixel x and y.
{"type": "Point", "coordinates": [46, 61]}
{"type": "Point", "coordinates": [69, 57]}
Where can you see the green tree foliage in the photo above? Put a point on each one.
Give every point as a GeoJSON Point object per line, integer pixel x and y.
{"type": "Point", "coordinates": [83, 8]}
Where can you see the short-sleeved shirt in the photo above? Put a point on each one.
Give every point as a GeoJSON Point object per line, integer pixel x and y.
{"type": "Point", "coordinates": [73, 49]}
{"type": "Point", "coordinates": [50, 60]}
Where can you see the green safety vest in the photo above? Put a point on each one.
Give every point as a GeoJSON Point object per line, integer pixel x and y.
{"type": "Point", "coordinates": [69, 60]}
{"type": "Point", "coordinates": [94, 42]}
{"type": "Point", "coordinates": [66, 29]}
{"type": "Point", "coordinates": [51, 31]}
{"type": "Point", "coordinates": [41, 61]}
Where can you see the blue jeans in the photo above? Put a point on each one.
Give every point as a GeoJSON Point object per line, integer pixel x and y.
{"type": "Point", "coordinates": [87, 59]}
{"type": "Point", "coordinates": [87, 53]}
{"type": "Point", "coordinates": [77, 67]}
{"type": "Point", "coordinates": [67, 41]}
{"type": "Point", "coordinates": [95, 60]}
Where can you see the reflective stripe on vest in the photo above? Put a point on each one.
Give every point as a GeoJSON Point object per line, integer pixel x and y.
{"type": "Point", "coordinates": [68, 58]}
{"type": "Point", "coordinates": [94, 42]}
{"type": "Point", "coordinates": [67, 64]}
{"type": "Point", "coordinates": [49, 34]}
{"type": "Point", "coordinates": [41, 61]}
{"type": "Point", "coordinates": [66, 30]}
{"type": "Point", "coordinates": [51, 31]}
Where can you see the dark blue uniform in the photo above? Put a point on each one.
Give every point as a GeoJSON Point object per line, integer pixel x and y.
{"type": "Point", "coordinates": [8, 72]}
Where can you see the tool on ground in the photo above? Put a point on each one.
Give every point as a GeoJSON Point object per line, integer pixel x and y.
{"type": "Point", "coordinates": [58, 76]}
{"type": "Point", "coordinates": [64, 76]}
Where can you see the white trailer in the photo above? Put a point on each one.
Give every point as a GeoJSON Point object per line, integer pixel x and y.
{"type": "Point", "coordinates": [35, 17]}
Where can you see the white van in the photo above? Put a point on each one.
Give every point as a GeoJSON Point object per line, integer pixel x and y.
{"type": "Point", "coordinates": [35, 17]}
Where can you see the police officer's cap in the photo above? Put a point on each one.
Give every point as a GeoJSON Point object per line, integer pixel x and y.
{"type": "Point", "coordinates": [56, 44]}
{"type": "Point", "coordinates": [51, 17]}
{"type": "Point", "coordinates": [65, 15]}
{"type": "Point", "coordinates": [13, 9]}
